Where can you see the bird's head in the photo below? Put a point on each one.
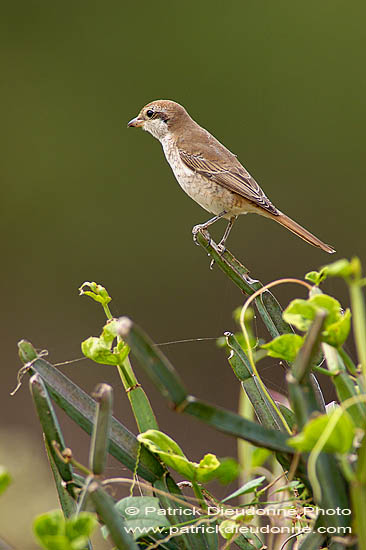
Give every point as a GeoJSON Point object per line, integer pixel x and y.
{"type": "Point", "coordinates": [160, 118]}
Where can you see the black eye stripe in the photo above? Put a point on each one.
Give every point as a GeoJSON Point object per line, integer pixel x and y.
{"type": "Point", "coordinates": [156, 114]}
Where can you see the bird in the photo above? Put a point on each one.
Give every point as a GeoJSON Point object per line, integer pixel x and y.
{"type": "Point", "coordinates": [209, 173]}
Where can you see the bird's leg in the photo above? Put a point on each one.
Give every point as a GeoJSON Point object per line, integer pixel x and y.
{"type": "Point", "coordinates": [221, 246]}
{"type": "Point", "coordinates": [203, 226]}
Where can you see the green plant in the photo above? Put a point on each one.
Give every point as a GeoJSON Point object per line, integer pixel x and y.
{"type": "Point", "coordinates": [55, 532]}
{"type": "Point", "coordinates": [311, 459]}
{"type": "Point", "coordinates": [5, 479]}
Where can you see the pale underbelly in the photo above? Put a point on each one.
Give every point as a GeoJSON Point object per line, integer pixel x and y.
{"type": "Point", "coordinates": [214, 197]}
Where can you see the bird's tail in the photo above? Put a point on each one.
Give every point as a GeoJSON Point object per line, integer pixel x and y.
{"type": "Point", "coordinates": [302, 233]}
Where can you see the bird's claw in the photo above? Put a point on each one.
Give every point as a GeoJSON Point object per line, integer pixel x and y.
{"type": "Point", "coordinates": [195, 239]}
{"type": "Point", "coordinates": [196, 229]}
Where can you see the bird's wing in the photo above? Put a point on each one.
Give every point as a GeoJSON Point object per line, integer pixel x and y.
{"type": "Point", "coordinates": [236, 179]}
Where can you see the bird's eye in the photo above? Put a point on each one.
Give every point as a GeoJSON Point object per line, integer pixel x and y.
{"type": "Point", "coordinates": [149, 113]}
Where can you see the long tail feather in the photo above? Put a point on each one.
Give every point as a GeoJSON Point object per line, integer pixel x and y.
{"type": "Point", "coordinates": [302, 233]}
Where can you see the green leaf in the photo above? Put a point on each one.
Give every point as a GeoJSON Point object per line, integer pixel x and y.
{"type": "Point", "coordinates": [206, 468]}
{"type": "Point", "coordinates": [228, 528]}
{"type": "Point", "coordinates": [5, 479]}
{"type": "Point", "coordinates": [330, 304]}
{"type": "Point", "coordinates": [227, 471]}
{"type": "Point", "coordinates": [97, 292]}
{"type": "Point", "coordinates": [159, 442]}
{"type": "Point", "coordinates": [259, 456]}
{"type": "Point", "coordinates": [341, 268]}
{"type": "Point", "coordinates": [301, 314]}
{"type": "Point", "coordinates": [339, 441]}
{"type": "Point", "coordinates": [337, 333]}
{"type": "Point", "coordinates": [248, 487]}
{"type": "Point", "coordinates": [93, 348]}
{"type": "Point", "coordinates": [172, 455]}
{"type": "Point", "coordinates": [109, 332]}
{"type": "Point", "coordinates": [316, 277]}
{"type": "Point", "coordinates": [337, 324]}
{"type": "Point", "coordinates": [79, 528]}
{"type": "Point", "coordinates": [292, 485]}
{"type": "Point", "coordinates": [141, 513]}
{"type": "Point", "coordinates": [100, 349]}
{"type": "Point", "coordinates": [51, 523]}
{"type": "Point", "coordinates": [285, 346]}
{"type": "Point", "coordinates": [56, 542]}
{"type": "Point", "coordinates": [50, 530]}
{"type": "Point", "coordinates": [169, 452]}
{"type": "Point", "coordinates": [55, 532]}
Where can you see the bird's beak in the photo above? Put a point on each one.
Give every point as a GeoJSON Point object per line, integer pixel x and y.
{"type": "Point", "coordinates": [136, 122]}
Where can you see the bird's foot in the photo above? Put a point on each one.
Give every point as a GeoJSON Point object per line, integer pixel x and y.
{"type": "Point", "coordinates": [196, 229]}
{"type": "Point", "coordinates": [221, 248]}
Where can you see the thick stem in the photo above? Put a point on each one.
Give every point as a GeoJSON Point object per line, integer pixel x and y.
{"type": "Point", "coordinates": [359, 322]}
{"type": "Point", "coordinates": [199, 495]}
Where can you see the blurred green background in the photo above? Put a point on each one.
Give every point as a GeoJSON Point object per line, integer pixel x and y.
{"type": "Point", "coordinates": [84, 198]}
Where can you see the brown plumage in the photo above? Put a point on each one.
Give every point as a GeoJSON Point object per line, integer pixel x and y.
{"type": "Point", "coordinates": [208, 172]}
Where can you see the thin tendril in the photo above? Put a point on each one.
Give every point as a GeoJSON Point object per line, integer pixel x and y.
{"type": "Point", "coordinates": [187, 340]}
{"type": "Point", "coordinates": [70, 361]}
